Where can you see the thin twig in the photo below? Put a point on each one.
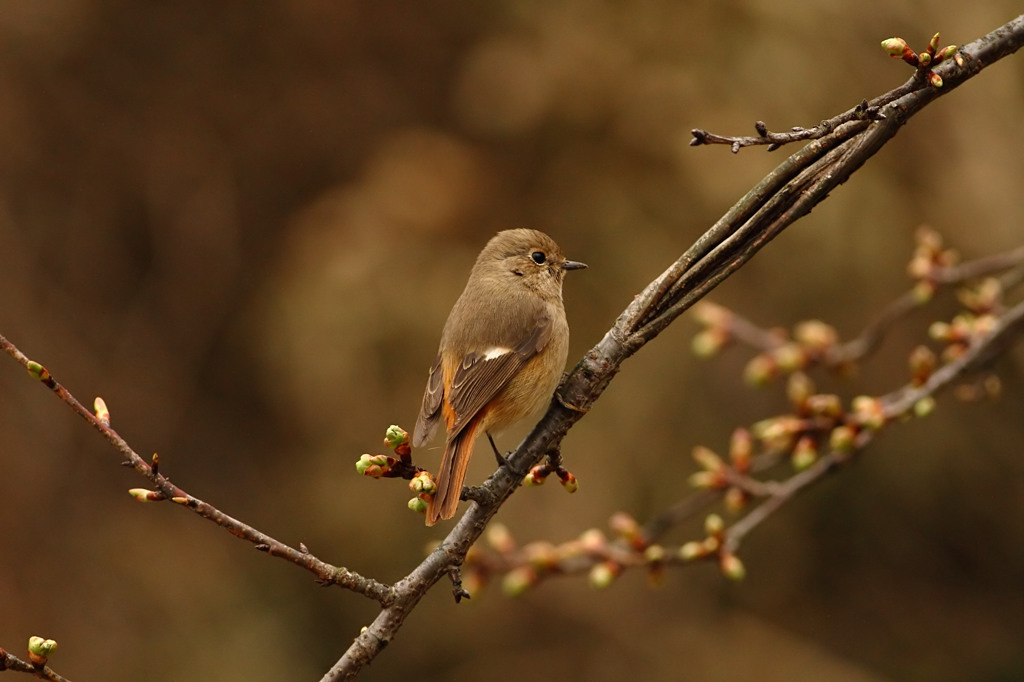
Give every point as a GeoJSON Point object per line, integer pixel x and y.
{"type": "Point", "coordinates": [325, 573]}
{"type": "Point", "coordinates": [894, 405]}
{"type": "Point", "coordinates": [9, 661]}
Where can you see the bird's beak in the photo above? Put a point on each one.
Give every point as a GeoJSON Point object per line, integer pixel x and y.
{"type": "Point", "coordinates": [573, 265]}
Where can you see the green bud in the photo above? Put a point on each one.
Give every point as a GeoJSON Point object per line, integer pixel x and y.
{"type": "Point", "coordinates": [691, 551]}
{"type": "Point", "coordinates": [714, 525]}
{"type": "Point", "coordinates": [395, 436]}
{"type": "Point", "coordinates": [842, 438]}
{"type": "Point", "coordinates": [741, 449]}
{"type": "Point", "coordinates": [706, 480]}
{"type": "Point", "coordinates": [805, 453]}
{"type": "Point", "coordinates": [534, 478]}
{"type": "Point", "coordinates": [735, 500]}
{"type": "Point", "coordinates": [945, 53]}
{"type": "Point", "coordinates": [518, 581]}
{"type": "Point", "coordinates": [654, 554]}
{"type": "Point", "coordinates": [709, 342]}
{"type": "Point", "coordinates": [895, 46]}
{"type": "Point", "coordinates": [924, 406]}
{"type": "Point", "coordinates": [869, 412]}
{"type": "Point", "coordinates": [799, 388]}
{"type": "Point", "coordinates": [789, 357]}
{"type": "Point", "coordinates": [760, 370]}
{"type": "Point", "coordinates": [38, 371]}
{"type": "Point", "coordinates": [712, 314]}
{"type": "Point", "coordinates": [604, 574]}
{"type": "Point", "coordinates": [418, 505]}
{"type": "Point", "coordinates": [816, 336]}
{"type": "Point", "coordinates": [40, 649]}
{"type": "Point", "coordinates": [593, 540]}
{"type": "Point", "coordinates": [499, 537]}
{"type": "Point", "coordinates": [374, 466]}
{"type": "Point", "coordinates": [422, 482]}
{"type": "Point", "coordinates": [731, 566]}
{"type": "Point", "coordinates": [708, 459]}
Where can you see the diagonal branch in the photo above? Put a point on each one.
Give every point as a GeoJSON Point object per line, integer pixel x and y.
{"type": "Point", "coordinates": [325, 573]}
{"type": "Point", "coordinates": [894, 405]}
{"type": "Point", "coordinates": [788, 193]}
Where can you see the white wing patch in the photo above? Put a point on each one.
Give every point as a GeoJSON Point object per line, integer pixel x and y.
{"type": "Point", "coordinates": [495, 352]}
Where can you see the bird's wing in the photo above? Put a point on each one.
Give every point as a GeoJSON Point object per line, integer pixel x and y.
{"type": "Point", "coordinates": [482, 374]}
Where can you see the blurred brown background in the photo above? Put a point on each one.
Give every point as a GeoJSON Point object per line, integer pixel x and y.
{"type": "Point", "coordinates": [243, 225]}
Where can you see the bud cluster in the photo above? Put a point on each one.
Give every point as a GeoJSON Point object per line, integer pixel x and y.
{"type": "Point", "coordinates": [929, 261]}
{"type": "Point", "coordinates": [714, 546]}
{"type": "Point", "coordinates": [925, 61]}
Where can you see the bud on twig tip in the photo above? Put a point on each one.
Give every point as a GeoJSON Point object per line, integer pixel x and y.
{"type": "Point", "coordinates": [732, 567]}
{"type": "Point", "coordinates": [101, 411]}
{"type": "Point", "coordinates": [40, 649]}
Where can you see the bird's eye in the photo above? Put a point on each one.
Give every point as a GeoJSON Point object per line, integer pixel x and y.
{"type": "Point", "coordinates": [538, 257]}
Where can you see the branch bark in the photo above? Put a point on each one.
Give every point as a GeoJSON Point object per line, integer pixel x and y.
{"type": "Point", "coordinates": [795, 187]}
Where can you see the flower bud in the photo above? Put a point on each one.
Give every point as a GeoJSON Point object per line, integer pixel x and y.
{"type": "Point", "coordinates": [499, 537]}
{"type": "Point", "coordinates": [536, 476]}
{"type": "Point", "coordinates": [735, 499]}
{"type": "Point", "coordinates": [789, 357]}
{"type": "Point", "coordinates": [805, 453]}
{"type": "Point", "coordinates": [604, 574]}
{"type": "Point", "coordinates": [731, 566]}
{"type": "Point", "coordinates": [842, 438]}
{"type": "Point", "coordinates": [101, 411]}
{"type": "Point", "coordinates": [922, 364]}
{"type": "Point", "coordinates": [568, 481]}
{"type": "Point", "coordinates": [707, 480]}
{"type": "Point", "coordinates": [741, 449]}
{"type": "Point", "coordinates": [691, 551]}
{"type": "Point", "coordinates": [38, 371]}
{"type": "Point", "coordinates": [395, 436]}
{"type": "Point", "coordinates": [712, 314]}
{"type": "Point", "coordinates": [869, 412]}
{"type": "Point", "coordinates": [517, 581]}
{"type": "Point", "coordinates": [593, 540]}
{"type": "Point", "coordinates": [924, 406]}
{"type": "Point", "coordinates": [707, 458]}
{"type": "Point", "coordinates": [944, 54]}
{"type": "Point", "coordinates": [799, 388]}
{"type": "Point", "coordinates": [624, 525]}
{"type": "Point", "coordinates": [709, 342]}
{"type": "Point", "coordinates": [714, 525]}
{"type": "Point", "coordinates": [816, 336]}
{"type": "Point", "coordinates": [374, 466]}
{"type": "Point", "coordinates": [39, 650]}
{"type": "Point", "coordinates": [760, 370]}
{"type": "Point", "coordinates": [895, 46]}
{"type": "Point", "coordinates": [422, 482]}
{"type": "Point", "coordinates": [825, 405]}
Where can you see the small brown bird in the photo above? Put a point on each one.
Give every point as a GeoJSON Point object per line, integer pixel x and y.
{"type": "Point", "coordinates": [501, 356]}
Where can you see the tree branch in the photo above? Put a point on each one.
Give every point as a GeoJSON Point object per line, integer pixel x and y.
{"type": "Point", "coordinates": [325, 573]}
{"type": "Point", "coordinates": [789, 192]}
